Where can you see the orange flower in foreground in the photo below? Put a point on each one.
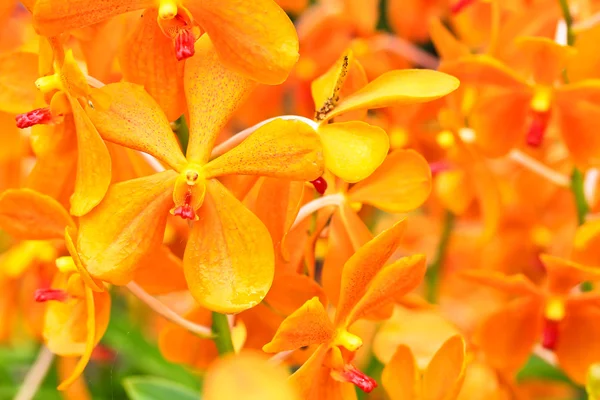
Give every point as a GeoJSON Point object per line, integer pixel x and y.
{"type": "Point", "coordinates": [368, 291]}
{"type": "Point", "coordinates": [229, 259]}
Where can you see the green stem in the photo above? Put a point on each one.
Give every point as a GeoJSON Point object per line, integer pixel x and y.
{"type": "Point", "coordinates": [577, 175]}
{"type": "Point", "coordinates": [220, 328]}
{"type": "Point", "coordinates": [564, 5]}
{"type": "Point", "coordinates": [579, 195]}
{"type": "Point", "coordinates": [434, 271]}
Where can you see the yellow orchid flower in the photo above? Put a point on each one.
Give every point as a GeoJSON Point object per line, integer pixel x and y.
{"type": "Point", "coordinates": [354, 149]}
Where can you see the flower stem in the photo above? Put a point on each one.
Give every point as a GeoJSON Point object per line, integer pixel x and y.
{"type": "Point", "coordinates": [220, 326]}
{"type": "Point", "coordinates": [564, 5]}
{"type": "Point", "coordinates": [433, 275]}
{"type": "Point", "coordinates": [579, 195]}
{"type": "Point", "coordinates": [36, 375]}
{"type": "Point", "coordinates": [160, 308]}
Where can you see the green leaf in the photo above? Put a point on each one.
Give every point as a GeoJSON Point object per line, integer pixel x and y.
{"type": "Point", "coordinates": [538, 369]}
{"type": "Point", "coordinates": [139, 355]}
{"type": "Point", "coordinates": [153, 388]}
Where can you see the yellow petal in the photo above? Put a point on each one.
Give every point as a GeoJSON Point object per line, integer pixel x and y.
{"type": "Point", "coordinates": [27, 214]}
{"type": "Point", "coordinates": [93, 164]}
{"type": "Point", "coordinates": [281, 149]}
{"type": "Point", "coordinates": [399, 87]}
{"type": "Point", "coordinates": [424, 334]}
{"type": "Point", "coordinates": [306, 326]}
{"type": "Point", "coordinates": [97, 316]}
{"type": "Point", "coordinates": [134, 120]}
{"type": "Point", "coordinates": [353, 150]}
{"type": "Point", "coordinates": [213, 93]}
{"type": "Point", "coordinates": [362, 267]}
{"type": "Point", "coordinates": [248, 375]}
{"type": "Point", "coordinates": [401, 184]}
{"type": "Point", "coordinates": [229, 261]}
{"type": "Point", "coordinates": [125, 226]}
{"type": "Point", "coordinates": [399, 377]}
{"type": "Point", "coordinates": [18, 73]}
{"type": "Point", "coordinates": [255, 38]}
{"type": "Point", "coordinates": [51, 17]}
{"type": "Point", "coordinates": [444, 374]}
{"type": "Point", "coordinates": [393, 281]}
{"type": "Point", "coordinates": [95, 285]}
{"type": "Point", "coordinates": [148, 59]}
{"type": "Point", "coordinates": [326, 88]}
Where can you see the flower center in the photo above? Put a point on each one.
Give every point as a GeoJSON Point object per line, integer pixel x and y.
{"type": "Point", "coordinates": [188, 194]}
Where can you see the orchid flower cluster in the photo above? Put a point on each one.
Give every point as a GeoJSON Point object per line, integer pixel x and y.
{"type": "Point", "coordinates": [293, 199]}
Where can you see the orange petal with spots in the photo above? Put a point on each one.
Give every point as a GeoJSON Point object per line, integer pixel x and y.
{"type": "Point", "coordinates": [254, 38]}
{"type": "Point", "coordinates": [229, 261]}
{"type": "Point", "coordinates": [52, 17]}
{"type": "Point", "coordinates": [135, 120]}
{"type": "Point", "coordinates": [281, 149]}
{"type": "Point", "coordinates": [147, 57]}
{"type": "Point", "coordinates": [306, 326]}
{"type": "Point", "coordinates": [362, 268]}
{"type": "Point", "coordinates": [391, 282]}
{"type": "Point", "coordinates": [213, 94]}
{"type": "Point", "coordinates": [126, 226]}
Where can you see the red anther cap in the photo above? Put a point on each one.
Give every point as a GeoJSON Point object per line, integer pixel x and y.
{"type": "Point", "coordinates": [34, 117]}
{"type": "Point", "coordinates": [184, 44]}
{"type": "Point", "coordinates": [44, 295]}
{"type": "Point", "coordinates": [320, 184]}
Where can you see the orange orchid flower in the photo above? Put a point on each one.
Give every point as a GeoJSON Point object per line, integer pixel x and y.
{"type": "Point", "coordinates": [368, 290]}
{"type": "Point", "coordinates": [67, 92]}
{"type": "Point", "coordinates": [535, 100]}
{"type": "Point", "coordinates": [78, 306]}
{"type": "Point", "coordinates": [227, 243]}
{"type": "Point", "coordinates": [563, 321]}
{"type": "Point", "coordinates": [401, 184]}
{"type": "Point", "coordinates": [255, 38]}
